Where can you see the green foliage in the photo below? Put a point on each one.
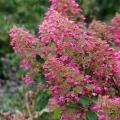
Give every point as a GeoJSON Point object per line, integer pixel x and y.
{"type": "Point", "coordinates": [91, 115]}
{"type": "Point", "coordinates": [21, 73]}
{"type": "Point", "coordinates": [94, 99]}
{"type": "Point", "coordinates": [42, 100]}
{"type": "Point", "coordinates": [27, 13]}
{"type": "Point", "coordinates": [39, 79]}
{"type": "Point", "coordinates": [39, 59]}
{"type": "Point", "coordinates": [85, 101]}
{"type": "Point", "coordinates": [100, 9]}
{"type": "Point", "coordinates": [57, 113]}
{"type": "Point", "coordinates": [13, 100]}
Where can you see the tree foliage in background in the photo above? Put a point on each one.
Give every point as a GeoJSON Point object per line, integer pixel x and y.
{"type": "Point", "coordinates": [28, 13]}
{"type": "Point", "coordinates": [100, 9]}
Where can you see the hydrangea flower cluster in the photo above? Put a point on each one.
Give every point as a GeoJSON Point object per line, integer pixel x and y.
{"type": "Point", "coordinates": [79, 63]}
{"type": "Point", "coordinates": [108, 32]}
{"type": "Point", "coordinates": [108, 108]}
{"type": "Point", "coordinates": [67, 8]}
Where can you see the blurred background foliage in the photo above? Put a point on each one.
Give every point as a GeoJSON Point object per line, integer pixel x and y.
{"type": "Point", "coordinates": [29, 14]}
{"type": "Point", "coordinates": [100, 9]}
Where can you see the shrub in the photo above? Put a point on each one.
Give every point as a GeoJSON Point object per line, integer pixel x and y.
{"type": "Point", "coordinates": [78, 66]}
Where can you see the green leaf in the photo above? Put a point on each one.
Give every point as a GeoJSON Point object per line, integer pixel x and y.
{"type": "Point", "coordinates": [85, 101]}
{"type": "Point", "coordinates": [91, 115]}
{"type": "Point", "coordinates": [49, 92]}
{"type": "Point", "coordinates": [22, 73]}
{"type": "Point", "coordinates": [52, 51]}
{"type": "Point", "coordinates": [42, 100]}
{"type": "Point", "coordinates": [16, 60]}
{"type": "Point", "coordinates": [39, 59]}
{"type": "Point", "coordinates": [43, 78]}
{"type": "Point", "coordinates": [57, 113]}
{"type": "Point", "coordinates": [94, 99]}
{"type": "Point", "coordinates": [40, 78]}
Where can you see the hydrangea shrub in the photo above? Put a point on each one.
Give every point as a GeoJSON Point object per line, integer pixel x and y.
{"type": "Point", "coordinates": [78, 65]}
